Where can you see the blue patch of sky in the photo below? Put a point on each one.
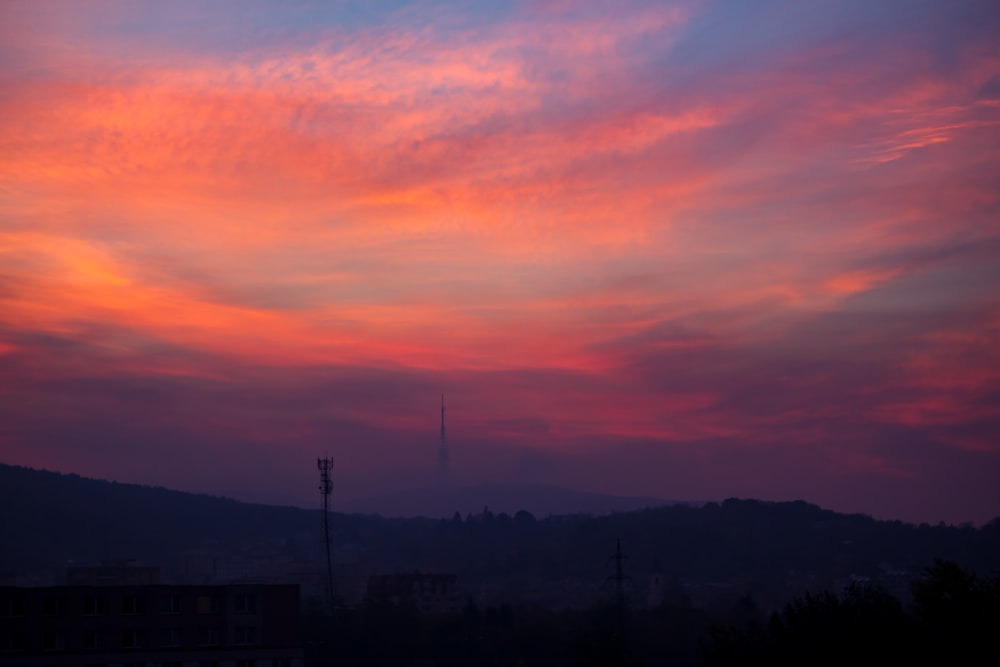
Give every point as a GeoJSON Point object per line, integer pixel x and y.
{"type": "Point", "coordinates": [218, 28]}
{"type": "Point", "coordinates": [747, 34]}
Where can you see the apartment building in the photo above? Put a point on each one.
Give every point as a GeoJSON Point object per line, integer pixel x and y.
{"type": "Point", "coordinates": [239, 625]}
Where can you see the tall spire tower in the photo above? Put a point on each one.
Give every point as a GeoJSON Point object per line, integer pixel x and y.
{"type": "Point", "coordinates": [443, 457]}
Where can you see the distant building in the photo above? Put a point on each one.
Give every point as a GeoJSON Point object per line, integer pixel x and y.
{"type": "Point", "coordinates": [151, 625]}
{"type": "Point", "coordinates": [430, 593]}
{"type": "Point", "coordinates": [112, 573]}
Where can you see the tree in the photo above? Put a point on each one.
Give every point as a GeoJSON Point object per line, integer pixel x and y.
{"type": "Point", "coordinates": [957, 613]}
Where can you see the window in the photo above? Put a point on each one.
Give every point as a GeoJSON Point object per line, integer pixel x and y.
{"type": "Point", "coordinates": [135, 664]}
{"type": "Point", "coordinates": [170, 637]}
{"type": "Point", "coordinates": [246, 635]}
{"type": "Point", "coordinates": [53, 640]}
{"type": "Point", "coordinates": [133, 605]}
{"type": "Point", "coordinates": [13, 607]}
{"type": "Point", "coordinates": [246, 603]}
{"type": "Point", "coordinates": [93, 639]}
{"type": "Point", "coordinates": [93, 605]}
{"type": "Point", "coordinates": [14, 641]}
{"type": "Point", "coordinates": [170, 604]}
{"type": "Point", "coordinates": [54, 606]}
{"type": "Point", "coordinates": [208, 637]}
{"type": "Point", "coordinates": [205, 604]}
{"type": "Point", "coordinates": [130, 638]}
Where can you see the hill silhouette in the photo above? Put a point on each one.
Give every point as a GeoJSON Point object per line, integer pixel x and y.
{"type": "Point", "coordinates": [773, 550]}
{"type": "Point", "coordinates": [52, 518]}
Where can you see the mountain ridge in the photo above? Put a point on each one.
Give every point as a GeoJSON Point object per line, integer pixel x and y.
{"type": "Point", "coordinates": [50, 519]}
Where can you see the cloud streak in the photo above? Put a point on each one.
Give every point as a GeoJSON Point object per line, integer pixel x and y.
{"type": "Point", "coordinates": [690, 232]}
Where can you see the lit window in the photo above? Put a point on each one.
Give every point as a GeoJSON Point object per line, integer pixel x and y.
{"type": "Point", "coordinates": [205, 604]}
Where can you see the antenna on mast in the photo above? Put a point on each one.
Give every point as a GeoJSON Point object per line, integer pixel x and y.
{"type": "Point", "coordinates": [444, 459]}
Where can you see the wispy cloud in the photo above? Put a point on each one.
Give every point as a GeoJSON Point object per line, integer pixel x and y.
{"type": "Point", "coordinates": [693, 231]}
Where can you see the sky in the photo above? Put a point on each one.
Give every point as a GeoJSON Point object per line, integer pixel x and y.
{"type": "Point", "coordinates": [690, 250]}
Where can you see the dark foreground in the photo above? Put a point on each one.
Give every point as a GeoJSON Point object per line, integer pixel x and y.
{"type": "Point", "coordinates": [952, 619]}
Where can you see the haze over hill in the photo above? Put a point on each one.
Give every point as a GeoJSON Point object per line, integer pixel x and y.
{"type": "Point", "coordinates": [541, 500]}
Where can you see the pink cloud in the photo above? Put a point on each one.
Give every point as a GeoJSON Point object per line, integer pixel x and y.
{"type": "Point", "coordinates": [595, 223]}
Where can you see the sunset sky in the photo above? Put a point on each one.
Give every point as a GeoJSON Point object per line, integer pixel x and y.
{"type": "Point", "coordinates": [689, 250]}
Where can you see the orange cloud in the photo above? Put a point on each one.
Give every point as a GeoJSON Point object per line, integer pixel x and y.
{"type": "Point", "coordinates": [685, 226]}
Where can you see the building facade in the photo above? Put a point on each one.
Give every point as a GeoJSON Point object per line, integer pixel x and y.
{"type": "Point", "coordinates": [428, 592]}
{"type": "Point", "coordinates": [252, 625]}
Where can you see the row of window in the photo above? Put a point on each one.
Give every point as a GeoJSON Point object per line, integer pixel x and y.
{"type": "Point", "coordinates": [131, 605]}
{"type": "Point", "coordinates": [55, 640]}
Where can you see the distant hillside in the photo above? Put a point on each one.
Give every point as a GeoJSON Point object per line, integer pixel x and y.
{"type": "Point", "coordinates": [769, 549]}
{"type": "Point", "coordinates": [50, 518]}
{"type": "Point", "coordinates": [540, 500]}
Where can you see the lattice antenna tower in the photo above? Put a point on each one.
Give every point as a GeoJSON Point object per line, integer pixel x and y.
{"type": "Point", "coordinates": [325, 466]}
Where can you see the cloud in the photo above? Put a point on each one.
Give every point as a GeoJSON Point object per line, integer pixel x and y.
{"type": "Point", "coordinates": [693, 232]}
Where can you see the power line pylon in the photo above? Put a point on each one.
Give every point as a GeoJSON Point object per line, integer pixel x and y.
{"type": "Point", "coordinates": [620, 579]}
